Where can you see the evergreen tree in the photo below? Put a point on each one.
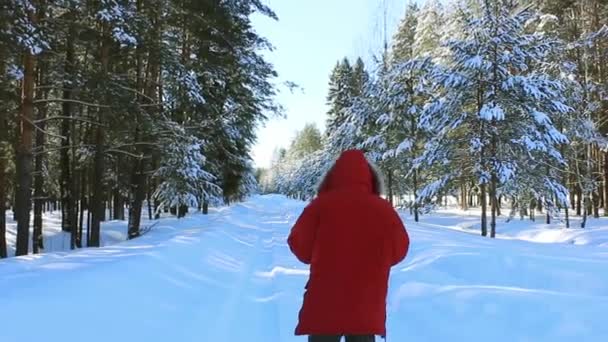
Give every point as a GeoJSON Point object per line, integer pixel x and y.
{"type": "Point", "coordinates": [306, 142]}
{"type": "Point", "coordinates": [405, 38]}
{"type": "Point", "coordinates": [360, 77]}
{"type": "Point", "coordinates": [112, 87]}
{"type": "Point", "coordinates": [499, 105]}
{"type": "Point", "coordinates": [429, 30]}
{"type": "Point", "coordinates": [340, 94]}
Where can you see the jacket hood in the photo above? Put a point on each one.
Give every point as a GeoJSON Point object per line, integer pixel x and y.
{"type": "Point", "coordinates": [351, 171]}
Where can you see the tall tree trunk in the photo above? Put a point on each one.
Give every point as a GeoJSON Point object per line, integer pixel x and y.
{"type": "Point", "coordinates": [138, 177]}
{"type": "Point", "coordinates": [3, 163]}
{"type": "Point", "coordinates": [24, 149]}
{"type": "Point", "coordinates": [68, 210]}
{"type": "Point", "coordinates": [4, 156]}
{"type": "Point", "coordinates": [97, 205]}
{"type": "Point", "coordinates": [75, 190]}
{"type": "Point", "coordinates": [37, 239]}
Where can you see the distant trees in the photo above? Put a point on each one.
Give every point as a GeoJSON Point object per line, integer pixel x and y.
{"type": "Point", "coordinates": [491, 102]}
{"type": "Point", "coordinates": [98, 99]}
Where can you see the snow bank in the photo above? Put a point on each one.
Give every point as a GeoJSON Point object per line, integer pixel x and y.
{"type": "Point", "coordinates": [595, 234]}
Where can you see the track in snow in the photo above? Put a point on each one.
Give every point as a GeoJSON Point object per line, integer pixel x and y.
{"type": "Point", "coordinates": [230, 277]}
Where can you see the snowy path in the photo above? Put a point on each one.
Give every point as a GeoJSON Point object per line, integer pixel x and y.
{"type": "Point", "coordinates": [230, 277]}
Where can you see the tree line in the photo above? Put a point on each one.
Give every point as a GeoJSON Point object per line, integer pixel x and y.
{"type": "Point", "coordinates": [491, 102]}
{"type": "Point", "coordinates": [106, 105]}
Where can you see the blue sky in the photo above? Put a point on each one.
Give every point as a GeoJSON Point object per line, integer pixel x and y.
{"type": "Point", "coordinates": [309, 38]}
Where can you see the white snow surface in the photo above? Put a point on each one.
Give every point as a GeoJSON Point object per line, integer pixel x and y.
{"type": "Point", "coordinates": [55, 240]}
{"type": "Point", "coordinates": [229, 276]}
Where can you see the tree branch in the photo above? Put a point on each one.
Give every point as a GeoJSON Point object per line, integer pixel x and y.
{"type": "Point", "coordinates": [83, 103]}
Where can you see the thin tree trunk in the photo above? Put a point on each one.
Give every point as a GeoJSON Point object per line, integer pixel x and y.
{"type": "Point", "coordinates": [138, 185]}
{"type": "Point", "coordinates": [37, 239]}
{"type": "Point", "coordinates": [416, 214]}
{"type": "Point", "coordinates": [118, 199]}
{"type": "Point", "coordinates": [83, 202]}
{"type": "Point", "coordinates": [579, 199]}
{"type": "Point", "coordinates": [390, 186]}
{"type": "Point", "coordinates": [585, 212]}
{"type": "Point", "coordinates": [109, 206]}
{"type": "Point", "coordinates": [24, 149]}
{"type": "Point", "coordinates": [499, 207]}
{"type": "Point", "coordinates": [15, 209]}
{"type": "Point", "coordinates": [4, 156]}
{"type": "Point", "coordinates": [533, 210]}
{"type": "Point", "coordinates": [149, 200]}
{"type": "Point", "coordinates": [97, 205]}
{"type": "Point", "coordinates": [484, 215]}
{"type": "Point", "coordinates": [494, 203]}
{"type": "Point", "coordinates": [119, 205]}
{"type": "Point", "coordinates": [464, 196]}
{"type": "Point", "coordinates": [68, 210]}
{"type": "Point", "coordinates": [596, 204]}
{"type": "Point", "coordinates": [567, 217]}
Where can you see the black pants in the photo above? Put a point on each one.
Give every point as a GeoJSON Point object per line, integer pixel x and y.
{"type": "Point", "coordinates": [336, 338]}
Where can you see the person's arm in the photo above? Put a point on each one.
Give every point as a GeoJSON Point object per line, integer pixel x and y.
{"type": "Point", "coordinates": [400, 240]}
{"type": "Point", "coordinates": [302, 236]}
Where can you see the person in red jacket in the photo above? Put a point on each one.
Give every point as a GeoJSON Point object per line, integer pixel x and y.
{"type": "Point", "coordinates": [351, 238]}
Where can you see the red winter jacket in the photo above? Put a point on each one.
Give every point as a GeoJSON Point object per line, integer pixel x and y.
{"type": "Point", "coordinates": [350, 237]}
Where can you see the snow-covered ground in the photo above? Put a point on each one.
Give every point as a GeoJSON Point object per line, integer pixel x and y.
{"type": "Point", "coordinates": [56, 240]}
{"type": "Point", "coordinates": [595, 233]}
{"type": "Point", "coordinates": [229, 276]}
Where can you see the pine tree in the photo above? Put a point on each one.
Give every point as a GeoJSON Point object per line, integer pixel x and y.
{"type": "Point", "coordinates": [340, 94]}
{"type": "Point", "coordinates": [394, 136]}
{"type": "Point", "coordinates": [106, 84]}
{"type": "Point", "coordinates": [360, 77]}
{"type": "Point", "coordinates": [404, 39]}
{"type": "Point", "coordinates": [306, 142]}
{"type": "Point", "coordinates": [477, 112]}
{"type": "Point", "coordinates": [429, 28]}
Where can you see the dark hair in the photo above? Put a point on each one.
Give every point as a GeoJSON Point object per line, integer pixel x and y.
{"type": "Point", "coordinates": [377, 180]}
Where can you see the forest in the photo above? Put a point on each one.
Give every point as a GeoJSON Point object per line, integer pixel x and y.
{"type": "Point", "coordinates": [136, 107]}
{"type": "Point", "coordinates": [500, 105]}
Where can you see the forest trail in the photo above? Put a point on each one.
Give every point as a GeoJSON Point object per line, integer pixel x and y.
{"type": "Point", "coordinates": [229, 276]}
